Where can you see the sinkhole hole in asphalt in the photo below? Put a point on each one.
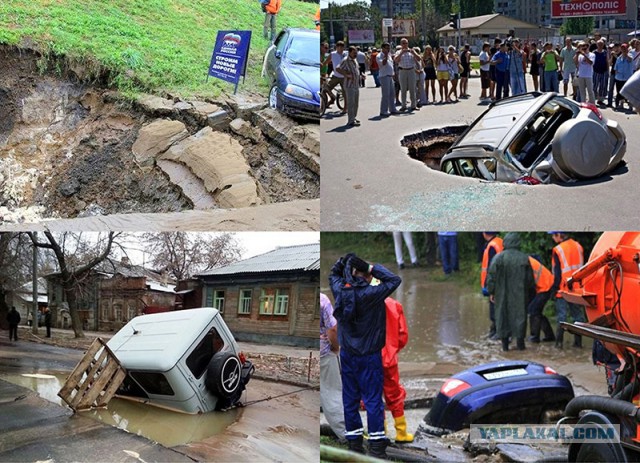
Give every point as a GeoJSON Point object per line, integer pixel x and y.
{"type": "Point", "coordinates": [429, 146]}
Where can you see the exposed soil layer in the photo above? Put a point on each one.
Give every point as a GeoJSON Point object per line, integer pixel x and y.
{"type": "Point", "coordinates": [66, 149]}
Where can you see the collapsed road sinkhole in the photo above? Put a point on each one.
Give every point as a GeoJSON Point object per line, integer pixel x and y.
{"type": "Point", "coordinates": [72, 147]}
{"type": "Point", "coordinates": [429, 146]}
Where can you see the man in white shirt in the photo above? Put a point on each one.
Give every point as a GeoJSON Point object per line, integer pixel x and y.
{"type": "Point", "coordinates": [385, 65]}
{"type": "Point", "coordinates": [567, 65]}
{"type": "Point", "coordinates": [485, 66]}
{"type": "Point", "coordinates": [336, 78]}
{"type": "Point", "coordinates": [406, 59]}
{"type": "Point", "coordinates": [584, 61]}
{"type": "Point", "coordinates": [362, 65]}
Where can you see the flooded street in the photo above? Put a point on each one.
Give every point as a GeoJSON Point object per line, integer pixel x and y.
{"type": "Point", "coordinates": [448, 321]}
{"type": "Point", "coordinates": [279, 422]}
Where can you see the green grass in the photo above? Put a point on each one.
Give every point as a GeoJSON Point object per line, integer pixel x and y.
{"type": "Point", "coordinates": [148, 45]}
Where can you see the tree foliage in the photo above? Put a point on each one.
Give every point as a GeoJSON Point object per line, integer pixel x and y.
{"type": "Point", "coordinates": [185, 254]}
{"type": "Point", "coordinates": [577, 26]}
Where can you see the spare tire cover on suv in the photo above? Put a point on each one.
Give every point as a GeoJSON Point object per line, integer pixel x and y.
{"type": "Point", "coordinates": [223, 375]}
{"type": "Point", "coordinates": [582, 148]}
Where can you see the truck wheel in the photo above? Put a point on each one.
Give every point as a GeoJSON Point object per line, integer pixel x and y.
{"type": "Point", "coordinates": [223, 375]}
{"type": "Point", "coordinates": [609, 451]}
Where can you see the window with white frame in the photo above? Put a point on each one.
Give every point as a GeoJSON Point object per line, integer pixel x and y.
{"type": "Point", "coordinates": [105, 312]}
{"type": "Point", "coordinates": [131, 312]}
{"type": "Point", "coordinates": [244, 304]}
{"type": "Point", "coordinates": [282, 302]}
{"type": "Point", "coordinates": [218, 300]}
{"type": "Point", "coordinates": [274, 301]}
{"type": "Point", "coordinates": [117, 312]}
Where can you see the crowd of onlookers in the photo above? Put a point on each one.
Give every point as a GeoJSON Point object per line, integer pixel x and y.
{"type": "Point", "coordinates": [593, 69]}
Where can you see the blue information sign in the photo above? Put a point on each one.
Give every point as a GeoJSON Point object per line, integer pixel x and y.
{"type": "Point", "coordinates": [230, 53]}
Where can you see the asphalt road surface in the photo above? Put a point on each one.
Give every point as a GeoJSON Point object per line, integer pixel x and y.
{"type": "Point", "coordinates": [370, 183]}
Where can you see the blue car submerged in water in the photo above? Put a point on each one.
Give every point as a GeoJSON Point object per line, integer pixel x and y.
{"type": "Point", "coordinates": [292, 65]}
{"type": "Point", "coordinates": [510, 392]}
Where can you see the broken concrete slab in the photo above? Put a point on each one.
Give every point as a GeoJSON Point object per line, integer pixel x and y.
{"type": "Point", "coordinates": [155, 105]}
{"type": "Point", "coordinates": [216, 158]}
{"type": "Point", "coordinates": [244, 107]}
{"type": "Point", "coordinates": [291, 137]}
{"type": "Point", "coordinates": [156, 138]}
{"type": "Point", "coordinates": [246, 130]}
{"type": "Point", "coordinates": [192, 186]}
{"type": "Point", "coordinates": [219, 120]}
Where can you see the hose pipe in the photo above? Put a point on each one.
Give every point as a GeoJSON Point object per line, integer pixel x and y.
{"type": "Point", "coordinates": [602, 404]}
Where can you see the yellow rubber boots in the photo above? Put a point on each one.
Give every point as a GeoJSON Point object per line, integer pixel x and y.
{"type": "Point", "coordinates": [401, 430]}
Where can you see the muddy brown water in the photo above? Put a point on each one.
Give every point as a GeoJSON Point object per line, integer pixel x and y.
{"type": "Point", "coordinates": [159, 425]}
{"type": "Point", "coordinates": [448, 322]}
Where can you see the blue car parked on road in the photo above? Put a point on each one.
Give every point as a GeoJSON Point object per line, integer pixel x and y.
{"type": "Point", "coordinates": [292, 65]}
{"type": "Point", "coordinates": [511, 392]}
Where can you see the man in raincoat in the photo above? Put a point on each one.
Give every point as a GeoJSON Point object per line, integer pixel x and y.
{"type": "Point", "coordinates": [394, 393]}
{"type": "Point", "coordinates": [361, 314]}
{"type": "Point", "coordinates": [510, 284]}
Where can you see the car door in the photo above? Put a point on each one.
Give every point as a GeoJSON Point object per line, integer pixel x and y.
{"type": "Point", "coordinates": [275, 55]}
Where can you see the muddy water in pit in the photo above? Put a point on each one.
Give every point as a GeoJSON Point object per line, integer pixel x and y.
{"type": "Point", "coordinates": [159, 425]}
{"type": "Point", "coordinates": [448, 322]}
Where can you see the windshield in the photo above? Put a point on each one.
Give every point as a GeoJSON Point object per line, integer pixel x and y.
{"type": "Point", "coordinates": [304, 50]}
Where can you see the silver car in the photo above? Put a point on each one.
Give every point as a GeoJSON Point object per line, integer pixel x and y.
{"type": "Point", "coordinates": [537, 138]}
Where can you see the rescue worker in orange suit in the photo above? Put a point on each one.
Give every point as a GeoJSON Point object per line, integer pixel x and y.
{"type": "Point", "coordinates": [361, 315]}
{"type": "Point", "coordinates": [493, 247]}
{"type": "Point", "coordinates": [394, 393]}
{"type": "Point", "coordinates": [567, 257]}
{"type": "Point", "coordinates": [537, 321]}
{"type": "Point", "coordinates": [271, 11]}
{"type": "Point", "coordinates": [317, 19]}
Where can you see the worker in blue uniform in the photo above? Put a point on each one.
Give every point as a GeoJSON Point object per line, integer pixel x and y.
{"type": "Point", "coordinates": [361, 315]}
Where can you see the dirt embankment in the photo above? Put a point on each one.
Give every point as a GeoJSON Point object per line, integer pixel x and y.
{"type": "Point", "coordinates": [67, 149]}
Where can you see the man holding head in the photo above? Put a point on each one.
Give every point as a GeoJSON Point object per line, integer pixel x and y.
{"type": "Point", "coordinates": [361, 314]}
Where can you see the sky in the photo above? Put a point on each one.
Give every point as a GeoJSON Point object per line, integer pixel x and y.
{"type": "Point", "coordinates": [253, 243]}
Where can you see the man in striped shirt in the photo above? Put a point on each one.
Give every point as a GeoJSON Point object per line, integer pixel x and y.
{"type": "Point", "coordinates": [351, 72]}
{"type": "Point", "coordinates": [406, 58]}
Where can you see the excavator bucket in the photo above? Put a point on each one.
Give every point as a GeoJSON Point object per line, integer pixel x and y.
{"type": "Point", "coordinates": [95, 379]}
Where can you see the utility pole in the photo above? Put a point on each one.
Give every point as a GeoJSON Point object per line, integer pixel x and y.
{"type": "Point", "coordinates": [459, 24]}
{"type": "Point", "coordinates": [34, 273]}
{"type": "Point", "coordinates": [390, 15]}
{"type": "Point", "coordinates": [424, 24]}
{"type": "Point", "coordinates": [332, 37]}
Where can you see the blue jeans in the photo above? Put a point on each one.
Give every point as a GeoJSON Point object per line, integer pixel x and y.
{"type": "Point", "coordinates": [562, 307]}
{"type": "Point", "coordinates": [449, 253]}
{"type": "Point", "coordinates": [551, 81]}
{"type": "Point", "coordinates": [362, 379]}
{"type": "Point", "coordinates": [502, 84]}
{"type": "Point", "coordinates": [376, 79]}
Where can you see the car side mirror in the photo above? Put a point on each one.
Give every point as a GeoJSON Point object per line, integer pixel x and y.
{"type": "Point", "coordinates": [278, 54]}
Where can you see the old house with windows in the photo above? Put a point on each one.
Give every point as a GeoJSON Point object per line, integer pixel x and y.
{"type": "Point", "coordinates": [22, 299]}
{"type": "Point", "coordinates": [111, 294]}
{"type": "Point", "coordinates": [270, 298]}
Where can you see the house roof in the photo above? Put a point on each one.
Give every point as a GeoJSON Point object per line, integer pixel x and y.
{"type": "Point", "coordinates": [478, 21]}
{"type": "Point", "coordinates": [304, 257]}
{"type": "Point", "coordinates": [155, 286]}
{"type": "Point", "coordinates": [28, 287]}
